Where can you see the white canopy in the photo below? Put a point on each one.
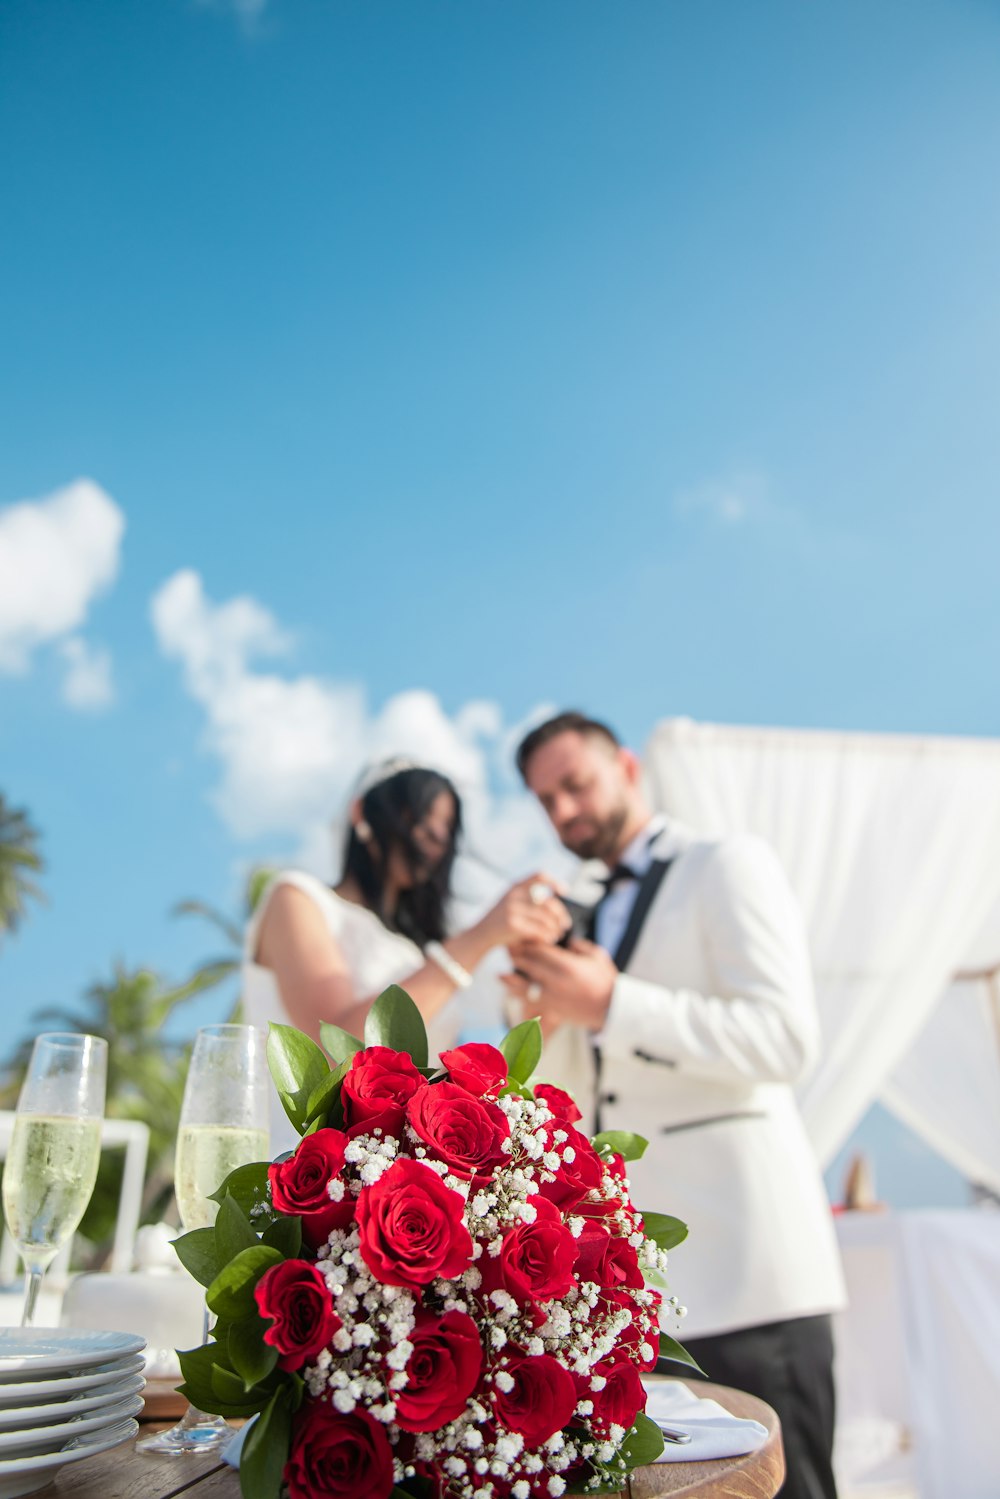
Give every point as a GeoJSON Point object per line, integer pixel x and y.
{"type": "Point", "coordinates": [892, 844]}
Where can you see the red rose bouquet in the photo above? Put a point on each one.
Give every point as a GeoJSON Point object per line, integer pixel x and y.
{"type": "Point", "coordinates": [444, 1290]}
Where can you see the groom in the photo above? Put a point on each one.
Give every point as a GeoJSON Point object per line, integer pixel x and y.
{"type": "Point", "coordinates": [688, 1019]}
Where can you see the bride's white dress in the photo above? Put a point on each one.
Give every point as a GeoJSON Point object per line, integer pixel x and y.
{"type": "Point", "coordinates": [375, 958]}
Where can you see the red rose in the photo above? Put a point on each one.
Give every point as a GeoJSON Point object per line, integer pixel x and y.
{"type": "Point", "coordinates": [542, 1400]}
{"type": "Point", "coordinates": [597, 1211]}
{"type": "Point", "coordinates": [478, 1068]}
{"type": "Point", "coordinates": [377, 1089]}
{"type": "Point", "coordinates": [622, 1397]}
{"type": "Point", "coordinates": [299, 1185]}
{"type": "Point", "coordinates": [577, 1177]}
{"type": "Point", "coordinates": [618, 1266]}
{"type": "Point", "coordinates": [590, 1248]}
{"type": "Point", "coordinates": [466, 1132]}
{"type": "Point", "coordinates": [559, 1103]}
{"type": "Point", "coordinates": [643, 1329]}
{"type": "Point", "coordinates": [413, 1227]}
{"type": "Point", "coordinates": [536, 1260]}
{"type": "Point", "coordinates": [338, 1457]}
{"type": "Point", "coordinates": [295, 1297]}
{"type": "Point", "coordinates": [442, 1372]}
{"type": "Point", "coordinates": [614, 1167]}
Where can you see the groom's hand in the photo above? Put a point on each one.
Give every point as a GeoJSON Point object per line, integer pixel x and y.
{"type": "Point", "coordinates": [563, 984]}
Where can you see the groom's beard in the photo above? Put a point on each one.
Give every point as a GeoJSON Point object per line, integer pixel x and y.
{"type": "Point", "coordinates": [597, 840]}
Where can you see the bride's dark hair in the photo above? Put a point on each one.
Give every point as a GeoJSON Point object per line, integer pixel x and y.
{"type": "Point", "coordinates": [392, 808]}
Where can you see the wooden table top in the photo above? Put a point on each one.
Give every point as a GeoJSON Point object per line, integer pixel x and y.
{"type": "Point", "coordinates": [757, 1475]}
{"type": "Point", "coordinates": [127, 1474]}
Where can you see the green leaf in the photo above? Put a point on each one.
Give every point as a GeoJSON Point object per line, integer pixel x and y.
{"type": "Point", "coordinates": [247, 1186]}
{"type": "Point", "coordinates": [395, 1021]}
{"type": "Point", "coordinates": [231, 1292]}
{"type": "Point", "coordinates": [665, 1231]}
{"type": "Point", "coordinates": [296, 1387]}
{"type": "Point", "coordinates": [643, 1444]}
{"type": "Point", "coordinates": [285, 1235]}
{"type": "Point", "coordinates": [418, 1487]}
{"type": "Point", "coordinates": [297, 1066]}
{"type": "Point", "coordinates": [205, 1400]}
{"type": "Point", "coordinates": [232, 1231]}
{"type": "Point", "coordinates": [340, 1045]}
{"type": "Point", "coordinates": [622, 1142]}
{"type": "Point", "coordinates": [198, 1254]}
{"type": "Point", "coordinates": [672, 1350]}
{"type": "Point", "coordinates": [250, 1356]}
{"type": "Point", "coordinates": [265, 1451]}
{"type": "Point", "coordinates": [198, 1366]}
{"type": "Point", "coordinates": [324, 1097]}
{"type": "Point", "coordinates": [522, 1048]}
{"type": "Point", "coordinates": [229, 1387]}
{"type": "Point", "coordinates": [521, 1090]}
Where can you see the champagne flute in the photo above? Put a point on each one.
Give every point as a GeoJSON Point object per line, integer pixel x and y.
{"type": "Point", "coordinates": [224, 1124]}
{"type": "Point", "coordinates": [54, 1151]}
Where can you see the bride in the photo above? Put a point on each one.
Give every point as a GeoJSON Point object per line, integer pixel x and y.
{"type": "Point", "coordinates": [313, 953]}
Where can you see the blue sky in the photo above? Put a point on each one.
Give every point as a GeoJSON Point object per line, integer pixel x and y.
{"type": "Point", "coordinates": [643, 357]}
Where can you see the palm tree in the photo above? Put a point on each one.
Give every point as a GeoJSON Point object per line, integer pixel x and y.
{"type": "Point", "coordinates": [146, 1074]}
{"type": "Point", "coordinates": [19, 860]}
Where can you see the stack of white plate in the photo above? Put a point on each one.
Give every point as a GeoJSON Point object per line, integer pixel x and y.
{"type": "Point", "coordinates": [65, 1395]}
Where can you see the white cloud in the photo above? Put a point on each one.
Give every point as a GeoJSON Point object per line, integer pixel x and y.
{"type": "Point", "coordinates": [57, 555]}
{"type": "Point", "coordinates": [731, 500]}
{"type": "Point", "coordinates": [743, 503]}
{"type": "Point", "coordinates": [88, 682]}
{"type": "Point", "coordinates": [291, 747]}
{"type": "Point", "coordinates": [248, 12]}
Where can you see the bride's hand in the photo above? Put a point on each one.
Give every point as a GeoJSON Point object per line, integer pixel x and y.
{"type": "Point", "coordinates": [529, 912]}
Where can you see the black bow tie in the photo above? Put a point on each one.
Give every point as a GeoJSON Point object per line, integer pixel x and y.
{"type": "Point", "coordinates": [616, 875]}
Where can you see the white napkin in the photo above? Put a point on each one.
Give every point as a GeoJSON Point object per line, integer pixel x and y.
{"type": "Point", "coordinates": [233, 1449]}
{"type": "Point", "coordinates": [714, 1432]}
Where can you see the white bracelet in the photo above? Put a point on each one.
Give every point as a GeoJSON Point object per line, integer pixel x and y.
{"type": "Point", "coordinates": [460, 977]}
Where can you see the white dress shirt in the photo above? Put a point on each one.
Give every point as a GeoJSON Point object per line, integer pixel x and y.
{"type": "Point", "coordinates": [615, 909]}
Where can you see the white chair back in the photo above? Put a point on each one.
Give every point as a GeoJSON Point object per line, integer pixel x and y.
{"type": "Point", "coordinates": [115, 1134]}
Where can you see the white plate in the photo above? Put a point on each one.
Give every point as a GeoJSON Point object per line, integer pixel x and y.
{"type": "Point", "coordinates": [33, 1351]}
{"type": "Point", "coordinates": [30, 1391]}
{"type": "Point", "coordinates": [25, 1475]}
{"type": "Point", "coordinates": [61, 1434]}
{"type": "Point", "coordinates": [21, 1417]}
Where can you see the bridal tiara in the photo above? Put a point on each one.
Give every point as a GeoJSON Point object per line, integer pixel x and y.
{"type": "Point", "coordinates": [383, 770]}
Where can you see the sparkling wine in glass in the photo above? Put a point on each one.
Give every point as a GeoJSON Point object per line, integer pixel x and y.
{"type": "Point", "coordinates": [54, 1150]}
{"type": "Point", "coordinates": [224, 1124]}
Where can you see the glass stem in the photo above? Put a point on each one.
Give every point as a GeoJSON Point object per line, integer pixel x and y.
{"type": "Point", "coordinates": [32, 1285]}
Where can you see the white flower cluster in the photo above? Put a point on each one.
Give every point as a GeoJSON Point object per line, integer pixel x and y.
{"type": "Point", "coordinates": [373, 1342]}
{"type": "Point", "coordinates": [366, 1365]}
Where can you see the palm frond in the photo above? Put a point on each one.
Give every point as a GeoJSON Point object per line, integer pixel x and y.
{"type": "Point", "coordinates": [19, 857]}
{"type": "Point", "coordinates": [213, 916]}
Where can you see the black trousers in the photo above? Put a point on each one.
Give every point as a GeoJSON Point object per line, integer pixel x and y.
{"type": "Point", "coordinates": [790, 1365]}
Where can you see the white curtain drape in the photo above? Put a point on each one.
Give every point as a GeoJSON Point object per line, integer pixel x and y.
{"type": "Point", "coordinates": [947, 1087]}
{"type": "Point", "coordinates": [893, 847]}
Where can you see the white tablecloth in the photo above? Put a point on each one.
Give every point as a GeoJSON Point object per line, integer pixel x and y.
{"type": "Point", "coordinates": [918, 1352]}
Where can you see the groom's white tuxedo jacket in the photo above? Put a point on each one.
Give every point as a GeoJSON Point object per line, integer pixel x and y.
{"type": "Point", "coordinates": [711, 1022]}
